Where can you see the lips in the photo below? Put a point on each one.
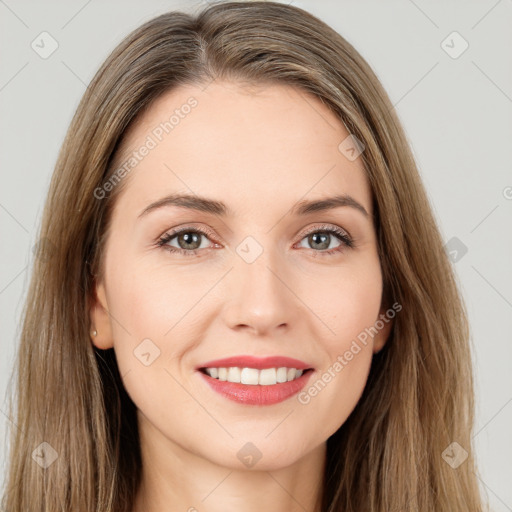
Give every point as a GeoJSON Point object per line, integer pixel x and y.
{"type": "Point", "coordinates": [260, 363]}
{"type": "Point", "coordinates": [257, 395]}
{"type": "Point", "coordinates": [262, 395]}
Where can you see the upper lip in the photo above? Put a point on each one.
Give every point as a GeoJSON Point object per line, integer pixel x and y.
{"type": "Point", "coordinates": [259, 363]}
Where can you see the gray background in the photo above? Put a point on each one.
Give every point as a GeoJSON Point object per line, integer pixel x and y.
{"type": "Point", "coordinates": [456, 112]}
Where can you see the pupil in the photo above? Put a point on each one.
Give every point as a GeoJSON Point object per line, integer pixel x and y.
{"type": "Point", "coordinates": [322, 244]}
{"type": "Point", "coordinates": [188, 238]}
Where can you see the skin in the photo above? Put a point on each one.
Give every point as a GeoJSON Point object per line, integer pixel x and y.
{"type": "Point", "coordinates": [259, 150]}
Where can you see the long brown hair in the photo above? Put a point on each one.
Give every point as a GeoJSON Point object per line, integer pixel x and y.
{"type": "Point", "coordinates": [389, 456]}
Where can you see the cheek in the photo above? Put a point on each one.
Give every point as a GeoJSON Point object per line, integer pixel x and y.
{"type": "Point", "coordinates": [358, 307]}
{"type": "Point", "coordinates": [157, 303]}
{"type": "Point", "coordinates": [149, 306]}
{"type": "Point", "coordinates": [348, 301]}
{"type": "Point", "coordinates": [350, 307]}
{"type": "Point", "coordinates": [149, 326]}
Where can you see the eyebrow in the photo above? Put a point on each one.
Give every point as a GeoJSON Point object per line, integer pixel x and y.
{"type": "Point", "coordinates": [203, 204]}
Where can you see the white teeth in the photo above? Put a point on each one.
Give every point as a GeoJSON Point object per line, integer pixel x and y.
{"type": "Point", "coordinates": [252, 376]}
{"type": "Point", "coordinates": [281, 374]}
{"type": "Point", "coordinates": [249, 376]}
{"type": "Point", "coordinates": [234, 374]}
{"type": "Point", "coordinates": [267, 377]}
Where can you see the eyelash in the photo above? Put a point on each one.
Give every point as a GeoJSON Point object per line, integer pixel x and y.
{"type": "Point", "coordinates": [347, 241]}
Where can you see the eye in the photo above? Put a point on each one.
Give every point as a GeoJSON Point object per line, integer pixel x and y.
{"type": "Point", "coordinates": [321, 237]}
{"type": "Point", "coordinates": [189, 241]}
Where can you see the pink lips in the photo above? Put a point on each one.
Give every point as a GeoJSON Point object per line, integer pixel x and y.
{"type": "Point", "coordinates": [257, 394]}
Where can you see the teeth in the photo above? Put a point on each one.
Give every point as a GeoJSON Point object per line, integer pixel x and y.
{"type": "Point", "coordinates": [234, 374]}
{"type": "Point", "coordinates": [281, 374]}
{"type": "Point", "coordinates": [252, 376]}
{"type": "Point", "coordinates": [249, 376]}
{"type": "Point", "coordinates": [267, 377]}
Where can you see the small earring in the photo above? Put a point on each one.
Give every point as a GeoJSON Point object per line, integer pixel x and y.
{"type": "Point", "coordinates": [94, 333]}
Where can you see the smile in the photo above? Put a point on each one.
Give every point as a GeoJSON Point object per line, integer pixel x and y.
{"type": "Point", "coordinates": [253, 376]}
{"type": "Point", "coordinates": [256, 394]}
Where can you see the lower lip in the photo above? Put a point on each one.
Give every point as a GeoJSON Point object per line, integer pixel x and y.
{"type": "Point", "coordinates": [256, 394]}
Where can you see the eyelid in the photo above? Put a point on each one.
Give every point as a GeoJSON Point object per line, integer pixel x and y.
{"type": "Point", "coordinates": [322, 227]}
{"type": "Point", "coordinates": [163, 240]}
{"type": "Point", "coordinates": [340, 233]}
{"type": "Point", "coordinates": [210, 233]}
{"type": "Point", "coordinates": [189, 227]}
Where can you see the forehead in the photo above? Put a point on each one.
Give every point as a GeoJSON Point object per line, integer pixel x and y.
{"type": "Point", "coordinates": [271, 143]}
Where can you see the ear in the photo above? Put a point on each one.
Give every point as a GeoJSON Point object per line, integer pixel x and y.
{"type": "Point", "coordinates": [100, 319]}
{"type": "Point", "coordinates": [383, 324]}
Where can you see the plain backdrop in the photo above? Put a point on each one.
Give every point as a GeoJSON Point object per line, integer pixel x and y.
{"type": "Point", "coordinates": [447, 67]}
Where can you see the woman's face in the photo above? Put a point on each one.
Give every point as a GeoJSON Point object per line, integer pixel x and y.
{"type": "Point", "coordinates": [260, 279]}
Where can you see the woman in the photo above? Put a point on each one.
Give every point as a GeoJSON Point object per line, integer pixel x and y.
{"type": "Point", "coordinates": [246, 303]}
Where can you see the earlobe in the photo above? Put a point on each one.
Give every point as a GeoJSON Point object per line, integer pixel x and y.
{"type": "Point", "coordinates": [101, 327]}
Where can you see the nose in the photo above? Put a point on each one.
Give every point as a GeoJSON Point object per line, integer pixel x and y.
{"type": "Point", "coordinates": [261, 299]}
